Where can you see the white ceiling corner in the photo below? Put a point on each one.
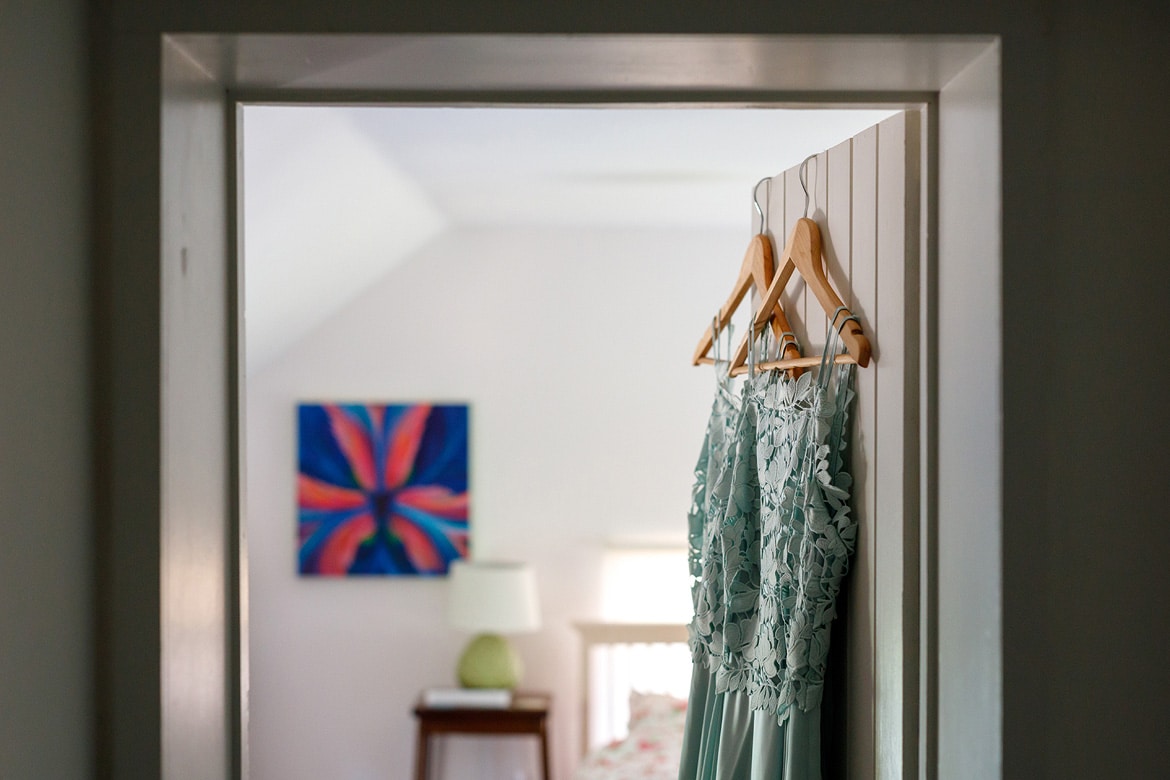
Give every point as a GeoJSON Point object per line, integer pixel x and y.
{"type": "Point", "coordinates": [326, 214]}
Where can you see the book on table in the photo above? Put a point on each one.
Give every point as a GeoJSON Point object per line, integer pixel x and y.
{"type": "Point", "coordinates": [488, 698]}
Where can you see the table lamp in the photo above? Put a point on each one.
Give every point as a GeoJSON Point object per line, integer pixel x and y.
{"type": "Point", "coordinates": [491, 599]}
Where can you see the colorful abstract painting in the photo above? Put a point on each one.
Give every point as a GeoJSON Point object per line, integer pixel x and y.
{"type": "Point", "coordinates": [382, 488]}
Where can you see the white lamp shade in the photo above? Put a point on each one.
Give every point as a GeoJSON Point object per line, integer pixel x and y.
{"type": "Point", "coordinates": [488, 597]}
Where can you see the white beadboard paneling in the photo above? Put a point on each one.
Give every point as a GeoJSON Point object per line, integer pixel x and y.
{"type": "Point", "coordinates": [864, 195]}
{"type": "Point", "coordinates": [838, 234]}
{"type": "Point", "coordinates": [889, 330]}
{"type": "Point", "coordinates": [793, 299]}
{"type": "Point", "coordinates": [770, 197]}
{"type": "Point", "coordinates": [777, 226]}
{"type": "Point", "coordinates": [818, 210]}
{"type": "Point", "coordinates": [860, 630]}
{"type": "Point", "coordinates": [896, 465]}
{"type": "Point", "coordinates": [853, 638]}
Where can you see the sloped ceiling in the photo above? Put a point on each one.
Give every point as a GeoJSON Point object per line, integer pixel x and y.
{"type": "Point", "coordinates": [334, 198]}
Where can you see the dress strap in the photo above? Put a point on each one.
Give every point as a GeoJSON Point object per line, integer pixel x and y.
{"type": "Point", "coordinates": [722, 366]}
{"type": "Point", "coordinates": [828, 357]}
{"type": "Point", "coordinates": [751, 356]}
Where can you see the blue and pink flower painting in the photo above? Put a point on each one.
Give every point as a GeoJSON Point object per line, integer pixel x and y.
{"type": "Point", "coordinates": [382, 488]}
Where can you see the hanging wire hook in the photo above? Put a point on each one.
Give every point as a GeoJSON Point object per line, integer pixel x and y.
{"type": "Point", "coordinates": [756, 202]}
{"type": "Point", "coordinates": [804, 180]}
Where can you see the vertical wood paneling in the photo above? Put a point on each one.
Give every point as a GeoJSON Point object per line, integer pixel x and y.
{"type": "Point", "coordinates": [770, 196]}
{"type": "Point", "coordinates": [860, 632]}
{"type": "Point", "coordinates": [911, 159]}
{"type": "Point", "coordinates": [818, 210]}
{"type": "Point", "coordinates": [794, 294]}
{"type": "Point", "coordinates": [838, 225]}
{"type": "Point", "coordinates": [853, 726]}
{"type": "Point", "coordinates": [777, 227]}
{"type": "Point", "coordinates": [863, 194]}
{"type": "Point", "coordinates": [888, 330]}
{"type": "Point", "coordinates": [928, 455]}
{"type": "Point", "coordinates": [863, 275]}
{"type": "Point", "coordinates": [897, 456]}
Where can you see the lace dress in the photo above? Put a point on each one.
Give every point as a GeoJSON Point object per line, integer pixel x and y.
{"type": "Point", "coordinates": [770, 539]}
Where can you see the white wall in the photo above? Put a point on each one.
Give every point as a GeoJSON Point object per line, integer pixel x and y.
{"type": "Point", "coordinates": [572, 348]}
{"type": "Point", "coordinates": [45, 517]}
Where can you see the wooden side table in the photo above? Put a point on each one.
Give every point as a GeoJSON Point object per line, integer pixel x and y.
{"type": "Point", "coordinates": [527, 715]}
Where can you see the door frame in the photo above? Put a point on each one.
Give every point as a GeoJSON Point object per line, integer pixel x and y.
{"type": "Point", "coordinates": [327, 68]}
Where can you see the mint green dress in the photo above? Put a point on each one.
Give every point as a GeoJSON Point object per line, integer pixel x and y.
{"type": "Point", "coordinates": [770, 540]}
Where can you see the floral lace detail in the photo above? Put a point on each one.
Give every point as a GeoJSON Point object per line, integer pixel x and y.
{"type": "Point", "coordinates": [708, 499]}
{"type": "Point", "coordinates": [771, 536]}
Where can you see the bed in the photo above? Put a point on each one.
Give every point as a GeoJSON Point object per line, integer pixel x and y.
{"type": "Point", "coordinates": [635, 678]}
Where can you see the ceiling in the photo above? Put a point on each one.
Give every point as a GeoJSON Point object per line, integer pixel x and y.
{"type": "Point", "coordinates": [335, 197]}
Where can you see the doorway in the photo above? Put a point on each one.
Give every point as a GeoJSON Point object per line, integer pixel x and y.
{"type": "Point", "coordinates": [586, 72]}
{"type": "Point", "coordinates": [552, 267]}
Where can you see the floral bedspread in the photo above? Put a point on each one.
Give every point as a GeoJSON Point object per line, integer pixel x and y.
{"type": "Point", "coordinates": [652, 749]}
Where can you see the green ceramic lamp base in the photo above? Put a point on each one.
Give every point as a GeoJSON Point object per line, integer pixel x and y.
{"type": "Point", "coordinates": [489, 662]}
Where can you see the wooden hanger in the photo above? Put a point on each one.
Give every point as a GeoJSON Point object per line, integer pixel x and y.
{"type": "Point", "coordinates": [804, 253]}
{"type": "Point", "coordinates": [757, 271]}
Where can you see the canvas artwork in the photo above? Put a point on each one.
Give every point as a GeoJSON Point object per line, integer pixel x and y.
{"type": "Point", "coordinates": [382, 488]}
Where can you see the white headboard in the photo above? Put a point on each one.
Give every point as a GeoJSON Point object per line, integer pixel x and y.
{"type": "Point", "coordinates": [596, 636]}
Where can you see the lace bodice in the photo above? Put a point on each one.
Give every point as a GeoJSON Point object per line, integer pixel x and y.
{"type": "Point", "coordinates": [771, 535]}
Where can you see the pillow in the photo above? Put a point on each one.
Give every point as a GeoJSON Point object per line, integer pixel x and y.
{"type": "Point", "coordinates": [651, 708]}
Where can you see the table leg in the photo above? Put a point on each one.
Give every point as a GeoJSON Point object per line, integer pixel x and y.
{"type": "Point", "coordinates": [421, 759]}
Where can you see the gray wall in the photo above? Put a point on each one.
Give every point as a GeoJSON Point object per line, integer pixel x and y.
{"type": "Point", "coordinates": [46, 531]}
{"type": "Point", "coordinates": [1086, 278]}
{"type": "Point", "coordinates": [1085, 284]}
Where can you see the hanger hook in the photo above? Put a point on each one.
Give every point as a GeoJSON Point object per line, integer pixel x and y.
{"type": "Point", "coordinates": [756, 201]}
{"type": "Point", "coordinates": [804, 180]}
